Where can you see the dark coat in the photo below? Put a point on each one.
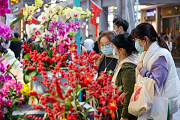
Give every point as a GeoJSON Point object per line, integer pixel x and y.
{"type": "Point", "coordinates": [126, 79]}
{"type": "Point", "coordinates": [16, 47]}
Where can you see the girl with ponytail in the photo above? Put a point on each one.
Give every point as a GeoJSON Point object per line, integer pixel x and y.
{"type": "Point", "coordinates": [157, 63]}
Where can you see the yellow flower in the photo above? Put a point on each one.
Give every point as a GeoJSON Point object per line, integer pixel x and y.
{"type": "Point", "coordinates": [78, 8]}
{"type": "Point", "coordinates": [38, 3]}
{"type": "Point", "coordinates": [67, 12]}
{"type": "Point", "coordinates": [55, 18]}
{"type": "Point", "coordinates": [58, 9]}
{"type": "Point", "coordinates": [25, 90]}
{"type": "Point", "coordinates": [88, 13]}
{"type": "Point", "coordinates": [83, 14]}
{"type": "Point", "coordinates": [43, 17]}
{"type": "Point", "coordinates": [28, 12]}
{"type": "Point", "coordinates": [50, 11]}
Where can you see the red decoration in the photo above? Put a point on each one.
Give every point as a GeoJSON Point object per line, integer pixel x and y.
{"type": "Point", "coordinates": [167, 31]}
{"type": "Point", "coordinates": [32, 21]}
{"type": "Point", "coordinates": [12, 27]}
{"type": "Point", "coordinates": [96, 10]}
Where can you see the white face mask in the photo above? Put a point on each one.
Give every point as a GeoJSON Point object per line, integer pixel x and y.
{"type": "Point", "coordinates": [115, 32]}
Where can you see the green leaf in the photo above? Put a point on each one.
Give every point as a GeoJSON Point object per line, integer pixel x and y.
{"type": "Point", "coordinates": [24, 118]}
{"type": "Point", "coordinates": [85, 118]}
{"type": "Point", "coordinates": [110, 72]}
{"type": "Point", "coordinates": [35, 46]}
{"type": "Point", "coordinates": [46, 50]}
{"type": "Point", "coordinates": [50, 105]}
{"type": "Point", "coordinates": [73, 104]}
{"type": "Point", "coordinates": [26, 56]}
{"type": "Point", "coordinates": [44, 94]}
{"type": "Point", "coordinates": [87, 101]}
{"type": "Point", "coordinates": [17, 20]}
{"type": "Point", "coordinates": [6, 112]}
{"type": "Point", "coordinates": [87, 110]}
{"type": "Point", "coordinates": [16, 117]}
{"type": "Point", "coordinates": [11, 66]}
{"type": "Point", "coordinates": [45, 115]}
{"type": "Point", "coordinates": [73, 33]}
{"type": "Point", "coordinates": [17, 109]}
{"type": "Point", "coordinates": [28, 74]}
{"type": "Point", "coordinates": [120, 88]}
{"type": "Point", "coordinates": [14, 39]}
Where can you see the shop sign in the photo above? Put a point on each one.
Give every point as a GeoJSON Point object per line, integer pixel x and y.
{"type": "Point", "coordinates": [152, 13]}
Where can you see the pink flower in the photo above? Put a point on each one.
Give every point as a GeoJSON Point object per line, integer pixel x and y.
{"type": "Point", "coordinates": [5, 31]}
{"type": "Point", "coordinates": [9, 103]}
{"type": "Point", "coordinates": [1, 59]}
{"type": "Point", "coordinates": [33, 37]}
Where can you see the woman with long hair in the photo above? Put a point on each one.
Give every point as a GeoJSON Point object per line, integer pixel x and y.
{"type": "Point", "coordinates": [106, 62]}
{"type": "Point", "coordinates": [157, 63]}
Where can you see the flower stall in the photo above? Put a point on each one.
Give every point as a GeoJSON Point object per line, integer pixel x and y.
{"type": "Point", "coordinates": [54, 73]}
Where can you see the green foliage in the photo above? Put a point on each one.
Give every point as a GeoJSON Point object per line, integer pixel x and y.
{"type": "Point", "coordinates": [73, 33]}
{"type": "Point", "coordinates": [27, 75]}
{"type": "Point", "coordinates": [14, 39]}
{"type": "Point", "coordinates": [35, 46]}
{"type": "Point", "coordinates": [81, 113]}
{"type": "Point", "coordinates": [17, 20]}
{"type": "Point", "coordinates": [27, 56]}
{"type": "Point", "coordinates": [7, 71]}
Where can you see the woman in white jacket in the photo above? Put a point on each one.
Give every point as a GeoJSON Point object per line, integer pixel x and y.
{"type": "Point", "coordinates": [157, 63]}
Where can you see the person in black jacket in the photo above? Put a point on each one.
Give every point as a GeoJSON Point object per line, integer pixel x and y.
{"type": "Point", "coordinates": [16, 45]}
{"type": "Point", "coordinates": [120, 26]}
{"type": "Point", "coordinates": [96, 48]}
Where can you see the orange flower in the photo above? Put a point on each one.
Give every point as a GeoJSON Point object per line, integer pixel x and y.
{"type": "Point", "coordinates": [112, 107]}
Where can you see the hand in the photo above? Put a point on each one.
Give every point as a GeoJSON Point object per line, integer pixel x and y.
{"type": "Point", "coordinates": [139, 65]}
{"type": "Point", "coordinates": [124, 119]}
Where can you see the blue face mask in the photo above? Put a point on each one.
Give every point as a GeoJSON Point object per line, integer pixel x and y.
{"type": "Point", "coordinates": [114, 54]}
{"type": "Point", "coordinates": [138, 47]}
{"type": "Point", "coordinates": [107, 50]}
{"type": "Point", "coordinates": [116, 32]}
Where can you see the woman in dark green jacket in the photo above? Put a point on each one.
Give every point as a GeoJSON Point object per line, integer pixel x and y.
{"type": "Point", "coordinates": [124, 48]}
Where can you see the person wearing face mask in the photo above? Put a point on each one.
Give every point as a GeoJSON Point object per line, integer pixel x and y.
{"type": "Point", "coordinates": [106, 62]}
{"type": "Point", "coordinates": [157, 63]}
{"type": "Point", "coordinates": [124, 48]}
{"type": "Point", "coordinates": [120, 26]}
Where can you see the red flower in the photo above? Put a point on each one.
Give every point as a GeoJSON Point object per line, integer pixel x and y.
{"type": "Point", "coordinates": [33, 93]}
{"type": "Point", "coordinates": [87, 81]}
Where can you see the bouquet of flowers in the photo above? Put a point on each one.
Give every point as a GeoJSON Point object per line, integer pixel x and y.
{"type": "Point", "coordinates": [10, 92]}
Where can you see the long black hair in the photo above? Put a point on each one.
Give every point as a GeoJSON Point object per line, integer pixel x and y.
{"type": "Point", "coordinates": [146, 29]}
{"type": "Point", "coordinates": [124, 41]}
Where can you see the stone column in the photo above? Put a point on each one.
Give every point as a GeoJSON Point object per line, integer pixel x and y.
{"type": "Point", "coordinates": [123, 8]}
{"type": "Point", "coordinates": [143, 16]}
{"type": "Point", "coordinates": [119, 7]}
{"type": "Point", "coordinates": [158, 19]}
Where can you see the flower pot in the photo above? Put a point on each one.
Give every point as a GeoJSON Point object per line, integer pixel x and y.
{"type": "Point", "coordinates": [39, 87]}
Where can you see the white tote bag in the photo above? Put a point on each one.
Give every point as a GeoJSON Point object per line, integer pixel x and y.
{"type": "Point", "coordinates": [159, 108]}
{"type": "Point", "coordinates": [142, 98]}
